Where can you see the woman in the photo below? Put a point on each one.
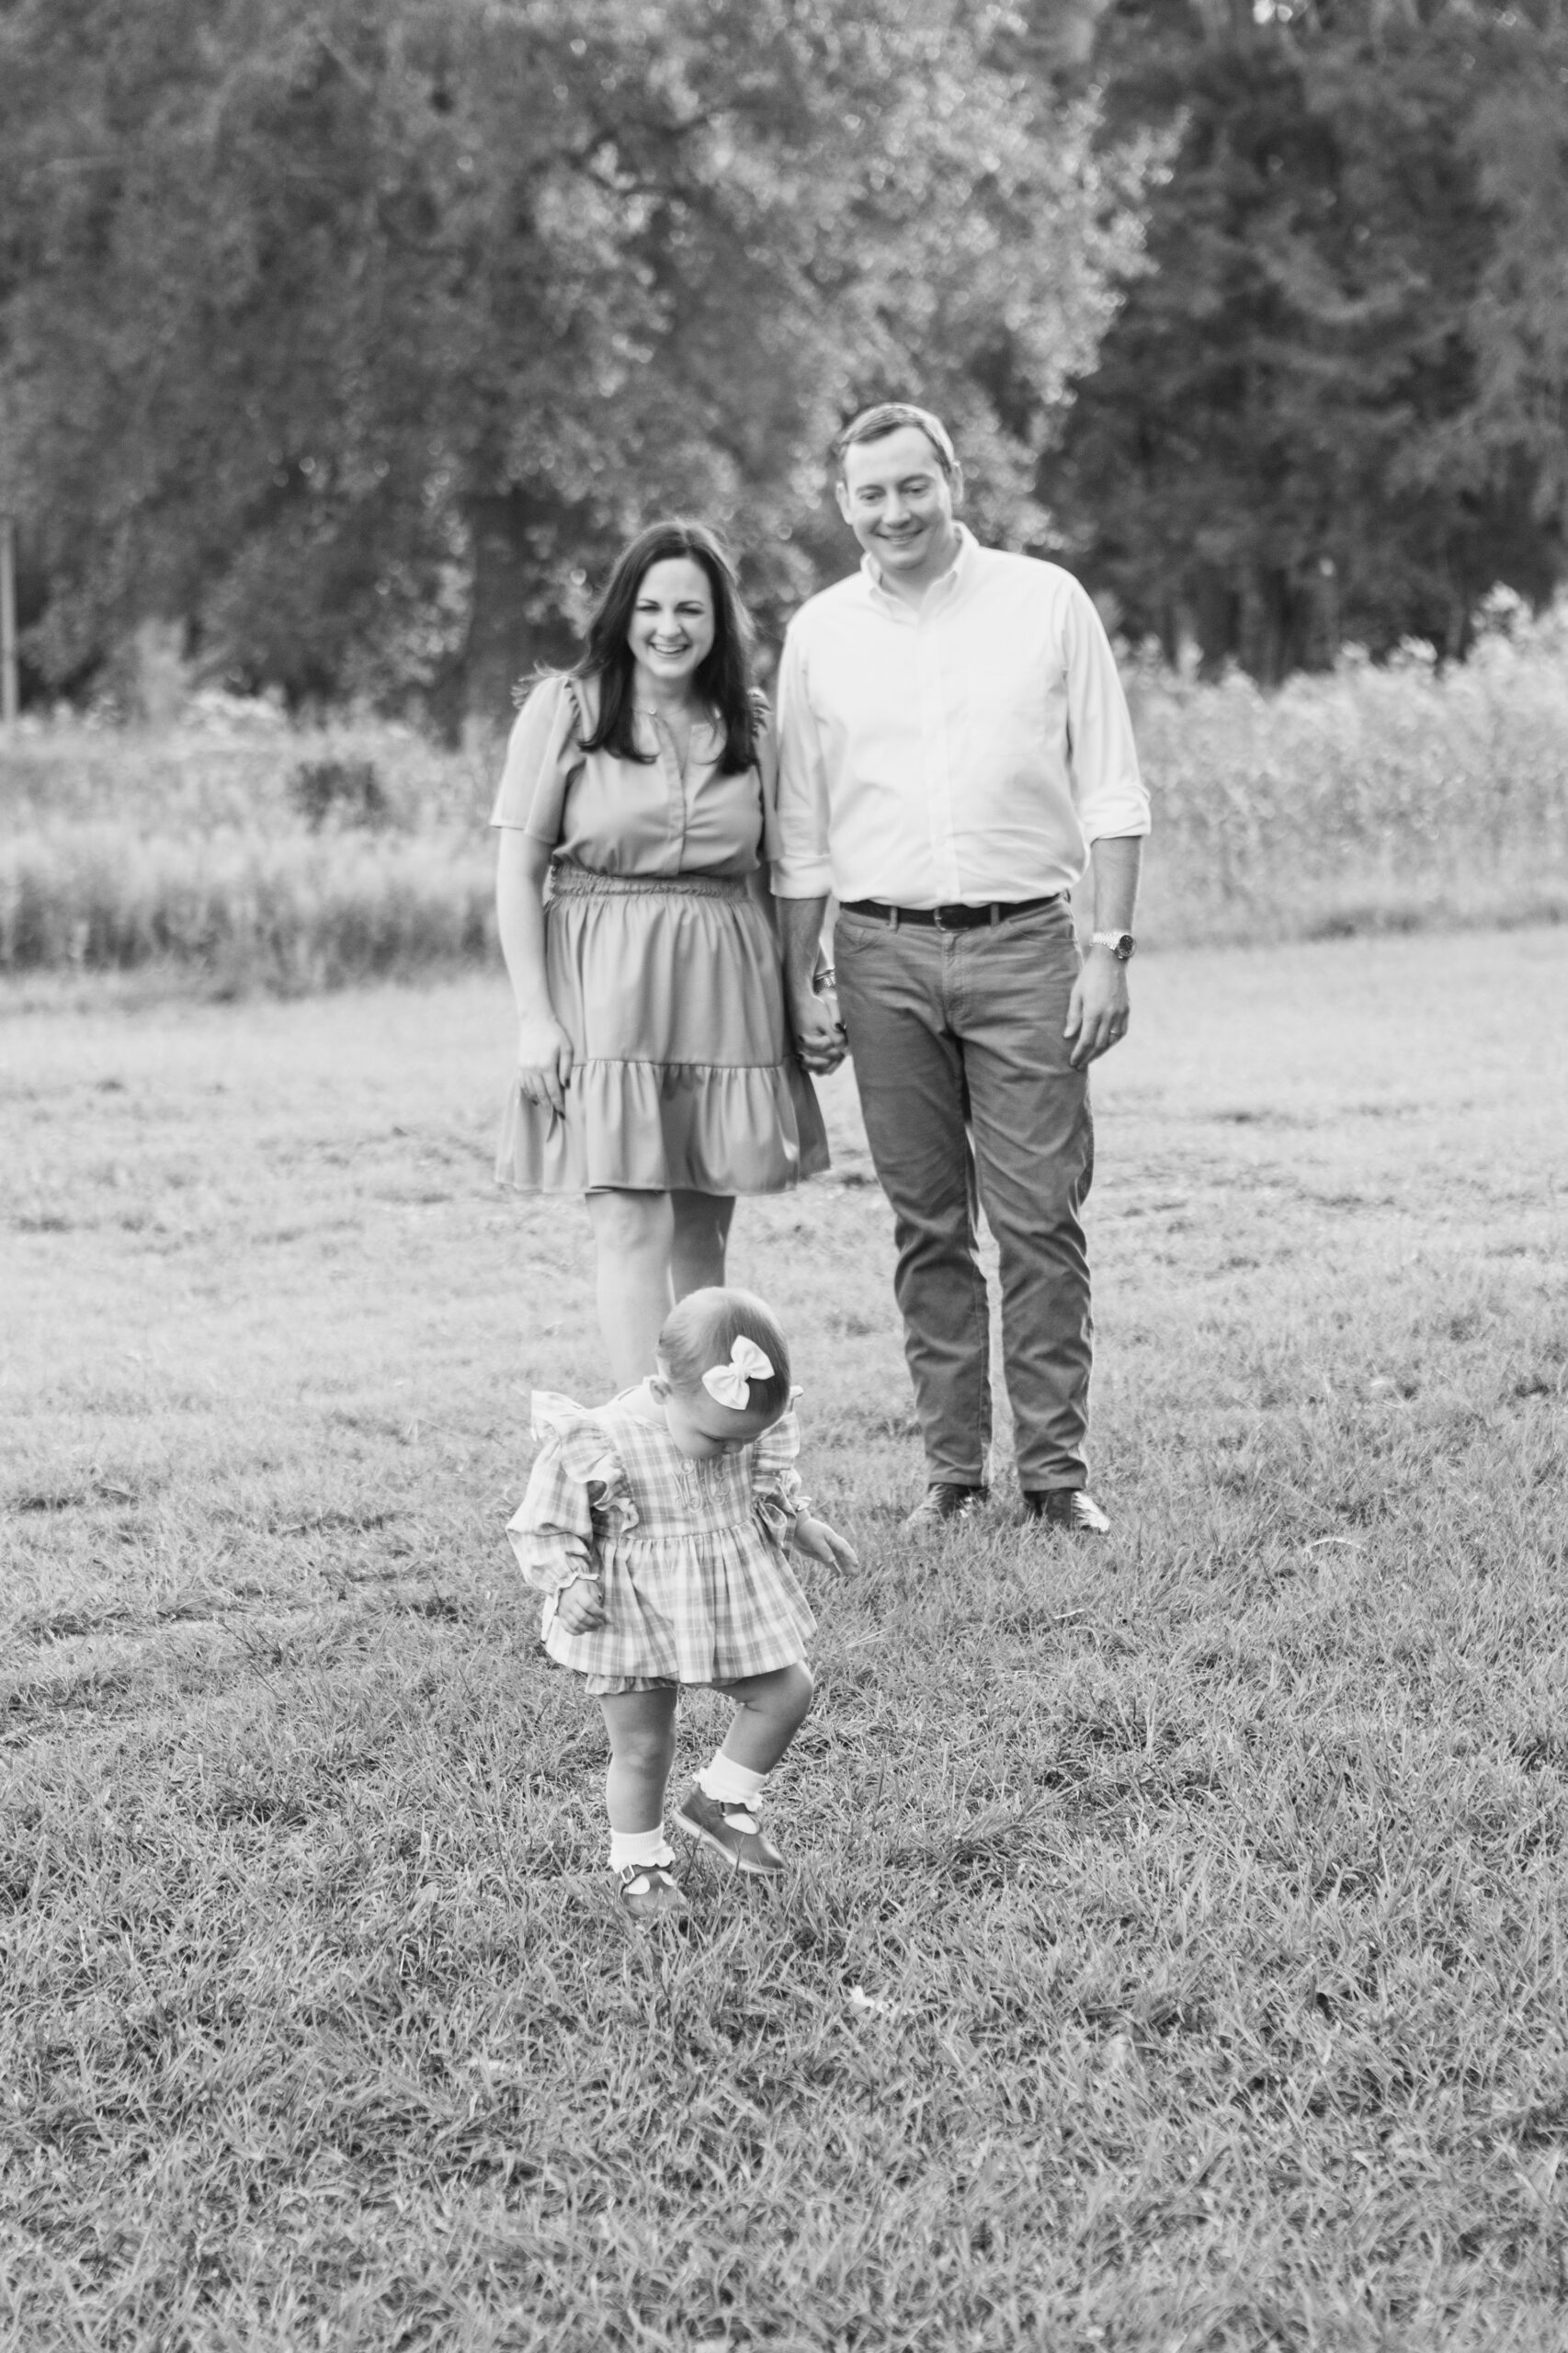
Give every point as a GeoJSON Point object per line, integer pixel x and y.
{"type": "Point", "coordinates": [657, 1075]}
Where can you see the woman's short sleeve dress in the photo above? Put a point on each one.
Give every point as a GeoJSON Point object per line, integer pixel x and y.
{"type": "Point", "coordinates": [663, 968]}
{"type": "Point", "coordinates": [692, 1556]}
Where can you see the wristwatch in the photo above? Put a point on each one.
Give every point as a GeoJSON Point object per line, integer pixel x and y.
{"type": "Point", "coordinates": [1120, 943]}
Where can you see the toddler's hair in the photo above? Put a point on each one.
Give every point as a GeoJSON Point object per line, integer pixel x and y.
{"type": "Point", "coordinates": [700, 1330]}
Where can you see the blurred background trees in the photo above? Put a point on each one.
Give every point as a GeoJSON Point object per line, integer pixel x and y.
{"type": "Point", "coordinates": [1334, 405]}
{"type": "Point", "coordinates": [342, 342]}
{"type": "Point", "coordinates": [352, 339]}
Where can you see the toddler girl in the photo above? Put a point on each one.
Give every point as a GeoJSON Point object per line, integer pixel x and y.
{"type": "Point", "coordinates": [658, 1528]}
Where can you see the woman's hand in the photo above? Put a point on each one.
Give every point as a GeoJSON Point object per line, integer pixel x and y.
{"type": "Point", "coordinates": [822, 1543]}
{"type": "Point", "coordinates": [580, 1606]}
{"type": "Point", "coordinates": [544, 1060]}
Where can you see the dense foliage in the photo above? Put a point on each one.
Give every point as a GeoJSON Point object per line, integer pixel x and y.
{"type": "Point", "coordinates": [351, 338]}
{"type": "Point", "coordinates": [1335, 407]}
{"type": "Point", "coordinates": [342, 342]}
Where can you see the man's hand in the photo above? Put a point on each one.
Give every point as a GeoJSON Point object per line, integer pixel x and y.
{"type": "Point", "coordinates": [1098, 1010]}
{"type": "Point", "coordinates": [580, 1606]}
{"type": "Point", "coordinates": [819, 1035]}
{"type": "Point", "coordinates": [821, 1542]}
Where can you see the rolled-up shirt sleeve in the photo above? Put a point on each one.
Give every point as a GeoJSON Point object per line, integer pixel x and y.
{"type": "Point", "coordinates": [542, 755]}
{"type": "Point", "coordinates": [1108, 785]}
{"type": "Point", "coordinates": [801, 864]}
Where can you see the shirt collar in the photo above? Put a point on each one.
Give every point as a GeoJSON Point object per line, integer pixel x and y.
{"type": "Point", "coordinates": [945, 585]}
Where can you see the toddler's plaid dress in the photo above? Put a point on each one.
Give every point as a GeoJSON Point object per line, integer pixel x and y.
{"type": "Point", "coordinates": [697, 1585]}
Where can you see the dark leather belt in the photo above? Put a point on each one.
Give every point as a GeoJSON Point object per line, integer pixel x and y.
{"type": "Point", "coordinates": [953, 917]}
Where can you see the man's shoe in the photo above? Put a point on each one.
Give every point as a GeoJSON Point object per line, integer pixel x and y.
{"type": "Point", "coordinates": [1071, 1507]}
{"type": "Point", "coordinates": [732, 1831]}
{"type": "Point", "coordinates": [648, 1892]}
{"type": "Point", "coordinates": [944, 1504]}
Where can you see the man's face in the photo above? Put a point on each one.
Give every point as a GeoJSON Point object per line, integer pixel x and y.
{"type": "Point", "coordinates": [899, 504]}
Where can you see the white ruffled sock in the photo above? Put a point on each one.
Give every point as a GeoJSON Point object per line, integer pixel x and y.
{"type": "Point", "coordinates": [642, 1847]}
{"type": "Point", "coordinates": [732, 1785]}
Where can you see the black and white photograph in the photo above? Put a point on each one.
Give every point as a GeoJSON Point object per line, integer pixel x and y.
{"type": "Point", "coordinates": [784, 1208]}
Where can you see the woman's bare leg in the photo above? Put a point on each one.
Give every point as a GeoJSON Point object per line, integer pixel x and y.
{"type": "Point", "coordinates": [701, 1237]}
{"type": "Point", "coordinates": [633, 1234]}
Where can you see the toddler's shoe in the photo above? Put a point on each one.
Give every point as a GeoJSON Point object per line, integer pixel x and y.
{"type": "Point", "coordinates": [649, 1891]}
{"type": "Point", "coordinates": [731, 1831]}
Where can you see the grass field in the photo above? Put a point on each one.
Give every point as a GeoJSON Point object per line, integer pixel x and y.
{"type": "Point", "coordinates": [1174, 1958]}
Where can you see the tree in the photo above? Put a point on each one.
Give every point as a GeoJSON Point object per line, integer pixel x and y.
{"type": "Point", "coordinates": [1333, 408]}
{"type": "Point", "coordinates": [354, 337]}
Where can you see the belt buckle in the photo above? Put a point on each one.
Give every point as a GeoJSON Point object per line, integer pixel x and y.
{"type": "Point", "coordinates": [938, 917]}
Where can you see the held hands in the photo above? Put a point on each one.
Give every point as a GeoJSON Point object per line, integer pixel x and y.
{"type": "Point", "coordinates": [821, 1542]}
{"type": "Point", "coordinates": [1099, 1009]}
{"type": "Point", "coordinates": [544, 1060]}
{"type": "Point", "coordinates": [580, 1606]}
{"type": "Point", "coordinates": [819, 1033]}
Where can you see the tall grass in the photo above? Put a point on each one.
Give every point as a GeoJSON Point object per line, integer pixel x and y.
{"type": "Point", "coordinates": [202, 850]}
{"type": "Point", "coordinates": [1392, 798]}
{"type": "Point", "coordinates": [284, 911]}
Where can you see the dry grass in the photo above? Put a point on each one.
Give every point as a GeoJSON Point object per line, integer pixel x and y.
{"type": "Point", "coordinates": [189, 854]}
{"type": "Point", "coordinates": [1175, 1953]}
{"type": "Point", "coordinates": [1377, 799]}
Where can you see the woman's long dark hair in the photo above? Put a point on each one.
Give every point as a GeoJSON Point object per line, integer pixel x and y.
{"type": "Point", "coordinates": [723, 677]}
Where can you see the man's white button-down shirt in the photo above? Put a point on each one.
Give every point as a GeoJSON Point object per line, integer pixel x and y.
{"type": "Point", "coordinates": [967, 749]}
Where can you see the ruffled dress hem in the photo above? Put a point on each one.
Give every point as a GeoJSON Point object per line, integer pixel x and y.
{"type": "Point", "coordinates": [658, 1128]}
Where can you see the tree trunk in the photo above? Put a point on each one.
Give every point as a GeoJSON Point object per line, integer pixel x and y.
{"type": "Point", "coordinates": [1215, 616]}
{"type": "Point", "coordinates": [509, 635]}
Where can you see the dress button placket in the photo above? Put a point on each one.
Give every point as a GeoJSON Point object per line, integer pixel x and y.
{"type": "Point", "coordinates": [675, 777]}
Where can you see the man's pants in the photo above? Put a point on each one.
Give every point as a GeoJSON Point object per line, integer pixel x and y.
{"type": "Point", "coordinates": [963, 1072]}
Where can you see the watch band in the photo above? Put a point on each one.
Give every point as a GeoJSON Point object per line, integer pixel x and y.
{"type": "Point", "coordinates": [1120, 943]}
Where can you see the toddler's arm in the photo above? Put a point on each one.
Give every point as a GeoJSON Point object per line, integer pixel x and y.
{"type": "Point", "coordinates": [815, 1538]}
{"type": "Point", "coordinates": [580, 1606]}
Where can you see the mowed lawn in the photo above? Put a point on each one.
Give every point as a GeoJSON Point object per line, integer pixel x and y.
{"type": "Point", "coordinates": [1175, 1957]}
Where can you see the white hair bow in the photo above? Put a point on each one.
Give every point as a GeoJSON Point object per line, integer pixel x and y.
{"type": "Point", "coordinates": [729, 1383]}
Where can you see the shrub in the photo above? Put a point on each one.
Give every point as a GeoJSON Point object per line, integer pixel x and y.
{"type": "Point", "coordinates": [350, 792]}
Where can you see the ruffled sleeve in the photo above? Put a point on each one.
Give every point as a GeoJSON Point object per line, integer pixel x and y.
{"type": "Point", "coordinates": [777, 1499]}
{"type": "Point", "coordinates": [767, 776]}
{"type": "Point", "coordinates": [576, 1483]}
{"type": "Point", "coordinates": [543, 754]}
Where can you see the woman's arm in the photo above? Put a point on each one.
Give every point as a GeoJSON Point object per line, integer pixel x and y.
{"type": "Point", "coordinates": [544, 1051]}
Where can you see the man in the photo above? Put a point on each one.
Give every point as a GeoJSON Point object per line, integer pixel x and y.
{"type": "Point", "coordinates": [954, 753]}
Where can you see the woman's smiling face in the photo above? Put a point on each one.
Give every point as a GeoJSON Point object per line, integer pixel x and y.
{"type": "Point", "coordinates": [672, 622]}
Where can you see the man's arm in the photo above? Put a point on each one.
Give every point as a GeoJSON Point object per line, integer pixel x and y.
{"type": "Point", "coordinates": [1099, 1010]}
{"type": "Point", "coordinates": [1113, 809]}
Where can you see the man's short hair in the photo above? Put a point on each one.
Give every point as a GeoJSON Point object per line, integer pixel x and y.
{"type": "Point", "coordinates": [888, 417]}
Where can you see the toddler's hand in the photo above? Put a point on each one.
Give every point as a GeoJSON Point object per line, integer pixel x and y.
{"type": "Point", "coordinates": [824, 1543]}
{"type": "Point", "coordinates": [580, 1606]}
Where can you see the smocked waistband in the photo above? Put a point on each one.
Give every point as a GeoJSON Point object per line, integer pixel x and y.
{"type": "Point", "coordinates": [569, 882]}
